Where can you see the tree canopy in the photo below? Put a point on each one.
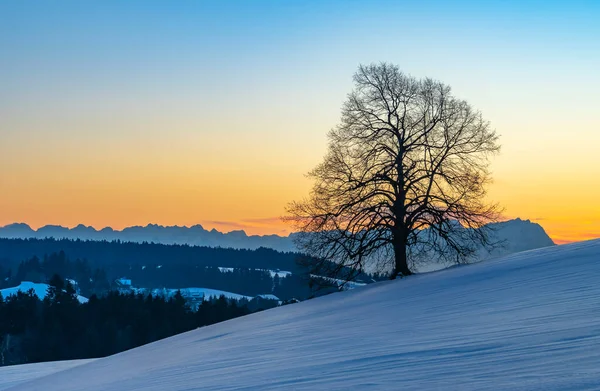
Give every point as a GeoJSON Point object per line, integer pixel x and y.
{"type": "Point", "coordinates": [404, 179]}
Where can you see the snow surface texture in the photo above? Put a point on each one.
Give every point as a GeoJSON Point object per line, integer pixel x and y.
{"type": "Point", "coordinates": [528, 321]}
{"type": "Point", "coordinates": [40, 290]}
{"type": "Point", "coordinates": [12, 375]}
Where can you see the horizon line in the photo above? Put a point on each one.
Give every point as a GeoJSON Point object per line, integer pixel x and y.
{"type": "Point", "coordinates": [557, 239]}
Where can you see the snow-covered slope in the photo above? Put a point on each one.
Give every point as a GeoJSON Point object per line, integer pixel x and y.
{"type": "Point", "coordinates": [16, 374]}
{"type": "Point", "coordinates": [40, 290]}
{"type": "Point", "coordinates": [529, 321]}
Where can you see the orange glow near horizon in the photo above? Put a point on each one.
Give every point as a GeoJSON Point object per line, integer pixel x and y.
{"type": "Point", "coordinates": [193, 181]}
{"type": "Point", "coordinates": [197, 113]}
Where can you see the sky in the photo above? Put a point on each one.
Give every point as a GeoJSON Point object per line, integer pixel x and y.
{"type": "Point", "coordinates": [178, 113]}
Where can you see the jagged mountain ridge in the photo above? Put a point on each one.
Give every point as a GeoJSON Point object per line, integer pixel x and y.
{"type": "Point", "coordinates": [520, 235]}
{"type": "Point", "coordinates": [195, 235]}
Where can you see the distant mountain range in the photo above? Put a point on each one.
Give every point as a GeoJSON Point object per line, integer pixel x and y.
{"type": "Point", "coordinates": [519, 235]}
{"type": "Point", "coordinates": [194, 236]}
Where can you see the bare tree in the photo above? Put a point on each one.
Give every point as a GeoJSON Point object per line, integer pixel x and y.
{"type": "Point", "coordinates": [404, 179]}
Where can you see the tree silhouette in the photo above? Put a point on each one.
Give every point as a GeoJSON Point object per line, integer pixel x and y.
{"type": "Point", "coordinates": [404, 178]}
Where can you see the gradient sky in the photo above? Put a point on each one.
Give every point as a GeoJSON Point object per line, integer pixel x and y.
{"type": "Point", "coordinates": [124, 113]}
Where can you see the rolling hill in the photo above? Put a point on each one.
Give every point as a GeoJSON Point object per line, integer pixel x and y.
{"type": "Point", "coordinates": [528, 321]}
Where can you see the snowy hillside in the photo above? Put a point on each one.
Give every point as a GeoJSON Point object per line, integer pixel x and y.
{"type": "Point", "coordinates": [40, 290]}
{"type": "Point", "coordinates": [529, 321]}
{"type": "Point", "coordinates": [12, 375]}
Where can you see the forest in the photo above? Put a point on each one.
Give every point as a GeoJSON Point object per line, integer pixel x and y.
{"type": "Point", "coordinates": [92, 280]}
{"type": "Point", "coordinates": [59, 327]}
{"type": "Point", "coordinates": [96, 265]}
{"type": "Point", "coordinates": [104, 253]}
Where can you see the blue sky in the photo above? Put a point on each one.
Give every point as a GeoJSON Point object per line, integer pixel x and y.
{"type": "Point", "coordinates": [179, 95]}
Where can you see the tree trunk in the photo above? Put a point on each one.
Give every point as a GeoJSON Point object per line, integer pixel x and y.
{"type": "Point", "coordinates": [400, 261]}
{"type": "Point", "coordinates": [399, 235]}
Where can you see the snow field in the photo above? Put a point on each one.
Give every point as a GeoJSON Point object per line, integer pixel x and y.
{"type": "Point", "coordinates": [528, 321]}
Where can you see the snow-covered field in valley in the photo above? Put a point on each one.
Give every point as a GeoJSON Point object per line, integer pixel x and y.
{"type": "Point", "coordinates": [206, 293]}
{"type": "Point", "coordinates": [39, 289]}
{"type": "Point", "coordinates": [528, 321]}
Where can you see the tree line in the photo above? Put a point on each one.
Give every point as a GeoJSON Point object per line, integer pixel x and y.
{"type": "Point", "coordinates": [106, 254]}
{"type": "Point", "coordinates": [97, 264]}
{"type": "Point", "coordinates": [98, 280]}
{"type": "Point", "coordinates": [59, 327]}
